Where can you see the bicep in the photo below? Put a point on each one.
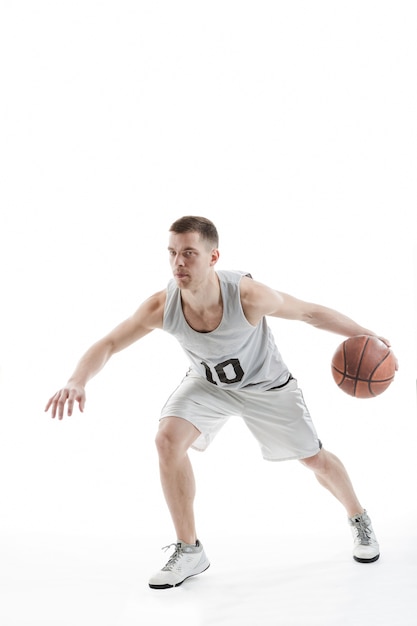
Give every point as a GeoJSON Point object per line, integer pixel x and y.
{"type": "Point", "coordinates": [289, 307]}
{"type": "Point", "coordinates": [260, 300]}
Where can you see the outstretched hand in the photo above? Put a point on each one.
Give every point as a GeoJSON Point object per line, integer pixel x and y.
{"type": "Point", "coordinates": [66, 396]}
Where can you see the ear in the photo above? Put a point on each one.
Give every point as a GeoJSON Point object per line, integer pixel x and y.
{"type": "Point", "coordinates": [215, 254]}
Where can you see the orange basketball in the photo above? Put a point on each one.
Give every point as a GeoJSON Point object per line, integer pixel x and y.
{"type": "Point", "coordinates": [363, 366]}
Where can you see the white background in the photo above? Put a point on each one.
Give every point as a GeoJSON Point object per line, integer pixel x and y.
{"type": "Point", "coordinates": [292, 126]}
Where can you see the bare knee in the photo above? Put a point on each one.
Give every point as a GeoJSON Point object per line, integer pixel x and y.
{"type": "Point", "coordinates": [166, 445]}
{"type": "Point", "coordinates": [161, 442]}
{"type": "Point", "coordinates": [173, 438]}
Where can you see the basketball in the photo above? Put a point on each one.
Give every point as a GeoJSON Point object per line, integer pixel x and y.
{"type": "Point", "coordinates": [363, 366]}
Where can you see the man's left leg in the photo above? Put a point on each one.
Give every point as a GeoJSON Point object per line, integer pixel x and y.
{"type": "Point", "coordinates": [331, 474]}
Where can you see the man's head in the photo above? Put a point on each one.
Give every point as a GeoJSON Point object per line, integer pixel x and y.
{"type": "Point", "coordinates": [201, 225]}
{"type": "Point", "coordinates": [193, 250]}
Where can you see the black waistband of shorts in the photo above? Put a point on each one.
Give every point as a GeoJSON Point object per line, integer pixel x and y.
{"type": "Point", "coordinates": [291, 377]}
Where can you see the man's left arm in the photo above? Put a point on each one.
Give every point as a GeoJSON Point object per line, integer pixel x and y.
{"type": "Point", "coordinates": [259, 300]}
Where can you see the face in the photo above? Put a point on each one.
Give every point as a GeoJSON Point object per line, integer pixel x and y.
{"type": "Point", "coordinates": [192, 259]}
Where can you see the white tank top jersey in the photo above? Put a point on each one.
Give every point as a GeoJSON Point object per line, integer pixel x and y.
{"type": "Point", "coordinates": [235, 355]}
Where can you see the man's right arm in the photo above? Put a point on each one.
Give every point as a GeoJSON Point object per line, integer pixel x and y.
{"type": "Point", "coordinates": [147, 317]}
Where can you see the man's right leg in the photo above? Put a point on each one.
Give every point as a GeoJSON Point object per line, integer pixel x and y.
{"type": "Point", "coordinates": [173, 440]}
{"type": "Point", "coordinates": [174, 437]}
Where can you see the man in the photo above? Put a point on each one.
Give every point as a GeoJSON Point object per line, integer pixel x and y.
{"type": "Point", "coordinates": [235, 369]}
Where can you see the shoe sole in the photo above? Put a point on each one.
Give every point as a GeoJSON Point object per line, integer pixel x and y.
{"type": "Point", "coordinates": [359, 560]}
{"type": "Point", "coordinates": [180, 583]}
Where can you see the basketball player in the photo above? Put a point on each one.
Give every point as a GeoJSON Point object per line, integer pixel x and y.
{"type": "Point", "coordinates": [219, 318]}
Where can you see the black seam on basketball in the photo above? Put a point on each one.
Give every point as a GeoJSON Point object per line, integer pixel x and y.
{"type": "Point", "coordinates": [360, 379]}
{"type": "Point", "coordinates": [380, 363]}
{"type": "Point", "coordinates": [358, 369]}
{"type": "Point", "coordinates": [339, 372]}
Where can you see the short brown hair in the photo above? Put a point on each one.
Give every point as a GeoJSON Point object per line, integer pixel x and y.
{"type": "Point", "coordinates": [195, 224]}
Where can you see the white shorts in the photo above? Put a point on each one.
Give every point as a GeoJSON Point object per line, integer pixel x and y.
{"type": "Point", "coordinates": [278, 418]}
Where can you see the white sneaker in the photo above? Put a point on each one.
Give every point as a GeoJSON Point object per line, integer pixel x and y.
{"type": "Point", "coordinates": [366, 547]}
{"type": "Point", "coordinates": [186, 561]}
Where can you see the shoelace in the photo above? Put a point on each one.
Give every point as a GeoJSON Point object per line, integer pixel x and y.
{"type": "Point", "coordinates": [363, 530]}
{"type": "Point", "coordinates": [174, 557]}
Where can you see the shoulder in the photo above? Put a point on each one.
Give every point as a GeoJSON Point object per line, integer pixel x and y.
{"type": "Point", "coordinates": [152, 309]}
{"type": "Point", "coordinates": [258, 299]}
{"type": "Point", "coordinates": [157, 300]}
{"type": "Point", "coordinates": [251, 289]}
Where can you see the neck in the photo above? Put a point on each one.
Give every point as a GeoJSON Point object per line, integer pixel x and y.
{"type": "Point", "coordinates": [203, 296]}
{"type": "Point", "coordinates": [203, 308]}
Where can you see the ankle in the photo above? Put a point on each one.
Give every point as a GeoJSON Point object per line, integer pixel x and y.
{"type": "Point", "coordinates": [191, 541]}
